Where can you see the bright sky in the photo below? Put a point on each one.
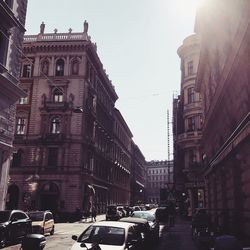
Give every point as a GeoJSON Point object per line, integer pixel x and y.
{"type": "Point", "coordinates": [137, 42]}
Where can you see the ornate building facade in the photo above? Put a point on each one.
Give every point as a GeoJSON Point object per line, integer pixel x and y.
{"type": "Point", "coordinates": [188, 121]}
{"type": "Point", "coordinates": [138, 176]}
{"type": "Point", "coordinates": [160, 175]}
{"type": "Point", "coordinates": [223, 81]}
{"type": "Point", "coordinates": [73, 148]}
{"type": "Point", "coordinates": [12, 20]}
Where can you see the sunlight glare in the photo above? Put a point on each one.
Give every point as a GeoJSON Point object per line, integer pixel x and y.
{"type": "Point", "coordinates": [187, 7]}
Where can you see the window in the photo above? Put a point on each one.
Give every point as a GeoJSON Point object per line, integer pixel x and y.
{"type": "Point", "coordinates": [55, 125]}
{"type": "Point", "coordinates": [58, 95]}
{"type": "Point", "coordinates": [191, 95]}
{"type": "Point", "coordinates": [3, 48]}
{"type": "Point", "coordinates": [190, 68]}
{"type": "Point", "coordinates": [20, 126]}
{"type": "Point", "coordinates": [60, 67]}
{"type": "Point", "coordinates": [17, 159]}
{"type": "Point", "coordinates": [24, 100]}
{"type": "Point", "coordinates": [52, 157]}
{"type": "Point", "coordinates": [191, 123]}
{"type": "Point", "coordinates": [26, 70]}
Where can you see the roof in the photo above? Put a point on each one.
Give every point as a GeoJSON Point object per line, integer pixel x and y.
{"type": "Point", "coordinates": [134, 220]}
{"type": "Point", "coordinates": [125, 225]}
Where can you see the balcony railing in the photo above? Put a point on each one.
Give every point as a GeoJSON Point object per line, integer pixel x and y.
{"type": "Point", "coordinates": [56, 37]}
{"type": "Point", "coordinates": [191, 135]}
{"type": "Point", "coordinates": [56, 105]}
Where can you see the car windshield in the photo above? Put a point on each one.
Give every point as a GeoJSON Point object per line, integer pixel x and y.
{"type": "Point", "coordinates": [111, 209]}
{"type": "Point", "coordinates": [36, 216]}
{"type": "Point", "coordinates": [4, 216]}
{"type": "Point", "coordinates": [105, 235]}
{"type": "Point", "coordinates": [144, 215]}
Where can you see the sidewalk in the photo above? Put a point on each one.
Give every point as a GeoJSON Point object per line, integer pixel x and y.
{"type": "Point", "coordinates": [177, 237]}
{"type": "Point", "coordinates": [99, 217]}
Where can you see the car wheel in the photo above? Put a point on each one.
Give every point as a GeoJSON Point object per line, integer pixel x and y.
{"type": "Point", "coordinates": [3, 240]}
{"type": "Point", "coordinates": [52, 231]}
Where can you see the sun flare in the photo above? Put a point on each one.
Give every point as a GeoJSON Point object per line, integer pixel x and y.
{"type": "Point", "coordinates": [187, 6]}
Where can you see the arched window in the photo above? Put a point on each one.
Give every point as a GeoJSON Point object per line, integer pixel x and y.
{"type": "Point", "coordinates": [58, 95]}
{"type": "Point", "coordinates": [75, 67]}
{"type": "Point", "coordinates": [60, 67]}
{"type": "Point", "coordinates": [55, 125]}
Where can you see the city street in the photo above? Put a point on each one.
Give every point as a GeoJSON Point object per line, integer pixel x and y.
{"type": "Point", "coordinates": [177, 239]}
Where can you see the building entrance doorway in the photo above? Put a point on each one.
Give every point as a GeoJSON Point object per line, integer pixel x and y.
{"type": "Point", "coordinates": [49, 196]}
{"type": "Point", "coordinates": [12, 197]}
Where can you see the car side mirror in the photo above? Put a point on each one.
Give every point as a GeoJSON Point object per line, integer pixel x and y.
{"type": "Point", "coordinates": [83, 245]}
{"type": "Point", "coordinates": [13, 219]}
{"type": "Point", "coordinates": [74, 237]}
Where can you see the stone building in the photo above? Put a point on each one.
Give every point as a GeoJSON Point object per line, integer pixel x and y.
{"type": "Point", "coordinates": [224, 83]}
{"type": "Point", "coordinates": [12, 20]}
{"type": "Point", "coordinates": [160, 175]}
{"type": "Point", "coordinates": [72, 145]}
{"type": "Point", "coordinates": [138, 176]}
{"type": "Point", "coordinates": [188, 121]}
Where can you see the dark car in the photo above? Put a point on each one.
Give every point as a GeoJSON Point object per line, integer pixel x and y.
{"type": "Point", "coordinates": [14, 225]}
{"type": "Point", "coordinates": [113, 213]}
{"type": "Point", "coordinates": [142, 226]}
{"type": "Point", "coordinates": [153, 223]}
{"type": "Point", "coordinates": [161, 214]}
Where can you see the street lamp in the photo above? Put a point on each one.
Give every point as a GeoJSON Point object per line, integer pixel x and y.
{"type": "Point", "coordinates": [78, 110]}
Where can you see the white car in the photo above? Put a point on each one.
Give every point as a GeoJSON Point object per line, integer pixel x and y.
{"type": "Point", "coordinates": [109, 235]}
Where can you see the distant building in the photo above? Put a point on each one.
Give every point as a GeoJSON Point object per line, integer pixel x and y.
{"type": "Point", "coordinates": [160, 174]}
{"type": "Point", "coordinates": [73, 147]}
{"type": "Point", "coordinates": [138, 176]}
{"type": "Point", "coordinates": [12, 20]}
{"type": "Point", "coordinates": [187, 127]}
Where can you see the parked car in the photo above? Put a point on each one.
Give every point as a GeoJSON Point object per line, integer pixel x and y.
{"type": "Point", "coordinates": [14, 225]}
{"type": "Point", "coordinates": [108, 235]}
{"type": "Point", "coordinates": [136, 208]}
{"type": "Point", "coordinates": [113, 213]}
{"type": "Point", "coordinates": [42, 222]}
{"type": "Point", "coordinates": [122, 210]}
{"type": "Point", "coordinates": [153, 223]}
{"type": "Point", "coordinates": [143, 226]}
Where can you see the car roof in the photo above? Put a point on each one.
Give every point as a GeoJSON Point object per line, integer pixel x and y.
{"type": "Point", "coordinates": [134, 220]}
{"type": "Point", "coordinates": [125, 225]}
{"type": "Point", "coordinates": [13, 211]}
{"type": "Point", "coordinates": [39, 211]}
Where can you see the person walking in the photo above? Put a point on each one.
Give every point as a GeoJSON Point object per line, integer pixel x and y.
{"type": "Point", "coordinates": [93, 214]}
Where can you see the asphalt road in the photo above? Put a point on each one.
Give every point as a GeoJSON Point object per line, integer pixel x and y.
{"type": "Point", "coordinates": [61, 240]}
{"type": "Point", "coordinates": [177, 238]}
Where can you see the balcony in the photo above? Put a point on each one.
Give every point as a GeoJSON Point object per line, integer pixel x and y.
{"type": "Point", "coordinates": [49, 137]}
{"type": "Point", "coordinates": [192, 107]}
{"type": "Point", "coordinates": [189, 136]}
{"type": "Point", "coordinates": [51, 106]}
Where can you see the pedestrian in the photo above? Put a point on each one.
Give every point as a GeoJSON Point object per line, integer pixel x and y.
{"type": "Point", "coordinates": [93, 214]}
{"type": "Point", "coordinates": [171, 213]}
